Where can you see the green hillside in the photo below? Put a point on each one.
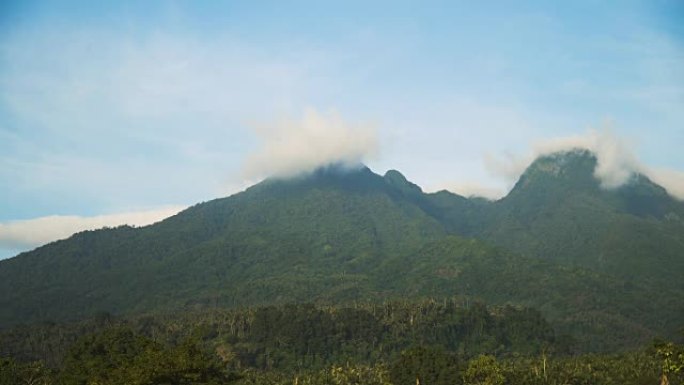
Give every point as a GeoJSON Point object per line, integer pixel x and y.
{"type": "Point", "coordinates": [279, 241]}
{"type": "Point", "coordinates": [602, 265]}
{"type": "Point", "coordinates": [558, 211]}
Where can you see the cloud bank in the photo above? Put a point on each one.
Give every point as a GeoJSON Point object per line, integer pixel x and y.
{"type": "Point", "coordinates": [24, 234]}
{"type": "Point", "coordinates": [292, 147]}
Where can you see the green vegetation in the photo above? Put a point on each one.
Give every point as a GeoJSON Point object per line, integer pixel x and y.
{"type": "Point", "coordinates": [557, 211]}
{"type": "Point", "coordinates": [427, 342]}
{"type": "Point", "coordinates": [329, 278]}
{"type": "Point", "coordinates": [305, 335]}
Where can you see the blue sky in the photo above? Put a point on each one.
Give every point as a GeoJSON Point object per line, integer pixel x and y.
{"type": "Point", "coordinates": [116, 110]}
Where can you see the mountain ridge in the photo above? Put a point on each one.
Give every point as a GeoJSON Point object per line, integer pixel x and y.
{"type": "Point", "coordinates": [341, 234]}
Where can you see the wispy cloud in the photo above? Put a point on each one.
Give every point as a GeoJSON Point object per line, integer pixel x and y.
{"type": "Point", "coordinates": [616, 161]}
{"type": "Point", "coordinates": [290, 147]}
{"type": "Point", "coordinates": [155, 78]}
{"type": "Point", "coordinates": [616, 158]}
{"type": "Point", "coordinates": [105, 109]}
{"type": "Point", "coordinates": [30, 233]}
{"type": "Point", "coordinates": [88, 110]}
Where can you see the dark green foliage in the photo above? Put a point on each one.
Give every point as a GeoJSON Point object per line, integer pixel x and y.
{"type": "Point", "coordinates": [484, 370]}
{"type": "Point", "coordinates": [261, 346]}
{"type": "Point", "coordinates": [602, 265]}
{"type": "Point", "coordinates": [559, 211]}
{"type": "Point", "coordinates": [672, 361]}
{"type": "Point", "coordinates": [120, 356]}
{"type": "Point", "coordinates": [425, 365]}
{"type": "Point", "coordinates": [292, 336]}
{"type": "Point", "coordinates": [32, 373]}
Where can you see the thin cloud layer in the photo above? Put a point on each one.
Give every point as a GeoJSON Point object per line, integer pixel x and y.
{"type": "Point", "coordinates": [89, 111]}
{"type": "Point", "coordinates": [30, 233]}
{"type": "Point", "coordinates": [293, 147]}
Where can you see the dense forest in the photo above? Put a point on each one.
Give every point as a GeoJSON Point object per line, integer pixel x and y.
{"type": "Point", "coordinates": [346, 276]}
{"type": "Point", "coordinates": [428, 342]}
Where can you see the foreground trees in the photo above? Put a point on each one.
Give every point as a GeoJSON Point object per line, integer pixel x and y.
{"type": "Point", "coordinates": [131, 359]}
{"type": "Point", "coordinates": [121, 357]}
{"type": "Point", "coordinates": [399, 343]}
{"type": "Point", "coordinates": [672, 358]}
{"type": "Point", "coordinates": [33, 373]}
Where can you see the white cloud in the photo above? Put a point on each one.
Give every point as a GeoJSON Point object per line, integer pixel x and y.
{"type": "Point", "coordinates": [290, 147]}
{"type": "Point", "coordinates": [507, 167]}
{"type": "Point", "coordinates": [39, 231]}
{"type": "Point", "coordinates": [68, 79]}
{"type": "Point", "coordinates": [108, 116]}
{"type": "Point", "coordinates": [616, 161]}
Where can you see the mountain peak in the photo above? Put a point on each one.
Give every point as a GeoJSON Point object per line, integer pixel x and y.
{"type": "Point", "coordinates": [579, 167]}
{"type": "Point", "coordinates": [335, 175]}
{"type": "Point", "coordinates": [568, 170]}
{"type": "Point", "coordinates": [327, 171]}
{"type": "Point", "coordinates": [398, 180]}
{"type": "Point", "coordinates": [340, 169]}
{"type": "Point", "coordinates": [565, 163]}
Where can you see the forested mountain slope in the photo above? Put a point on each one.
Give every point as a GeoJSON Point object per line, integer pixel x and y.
{"type": "Point", "coordinates": [559, 211]}
{"type": "Point", "coordinates": [278, 241]}
{"type": "Point", "coordinates": [600, 264]}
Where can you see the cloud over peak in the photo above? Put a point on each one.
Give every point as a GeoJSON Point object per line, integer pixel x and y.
{"type": "Point", "coordinates": [616, 161]}
{"type": "Point", "coordinates": [291, 147]}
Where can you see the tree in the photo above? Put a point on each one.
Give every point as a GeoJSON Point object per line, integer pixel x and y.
{"type": "Point", "coordinates": [424, 365]}
{"type": "Point", "coordinates": [672, 358]}
{"type": "Point", "coordinates": [484, 370]}
{"type": "Point", "coordinates": [32, 373]}
{"type": "Point", "coordinates": [120, 357]}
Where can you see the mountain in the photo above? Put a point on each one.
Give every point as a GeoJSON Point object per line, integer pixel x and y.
{"type": "Point", "coordinates": [558, 211]}
{"type": "Point", "coordinates": [279, 238]}
{"type": "Point", "coordinates": [600, 264]}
